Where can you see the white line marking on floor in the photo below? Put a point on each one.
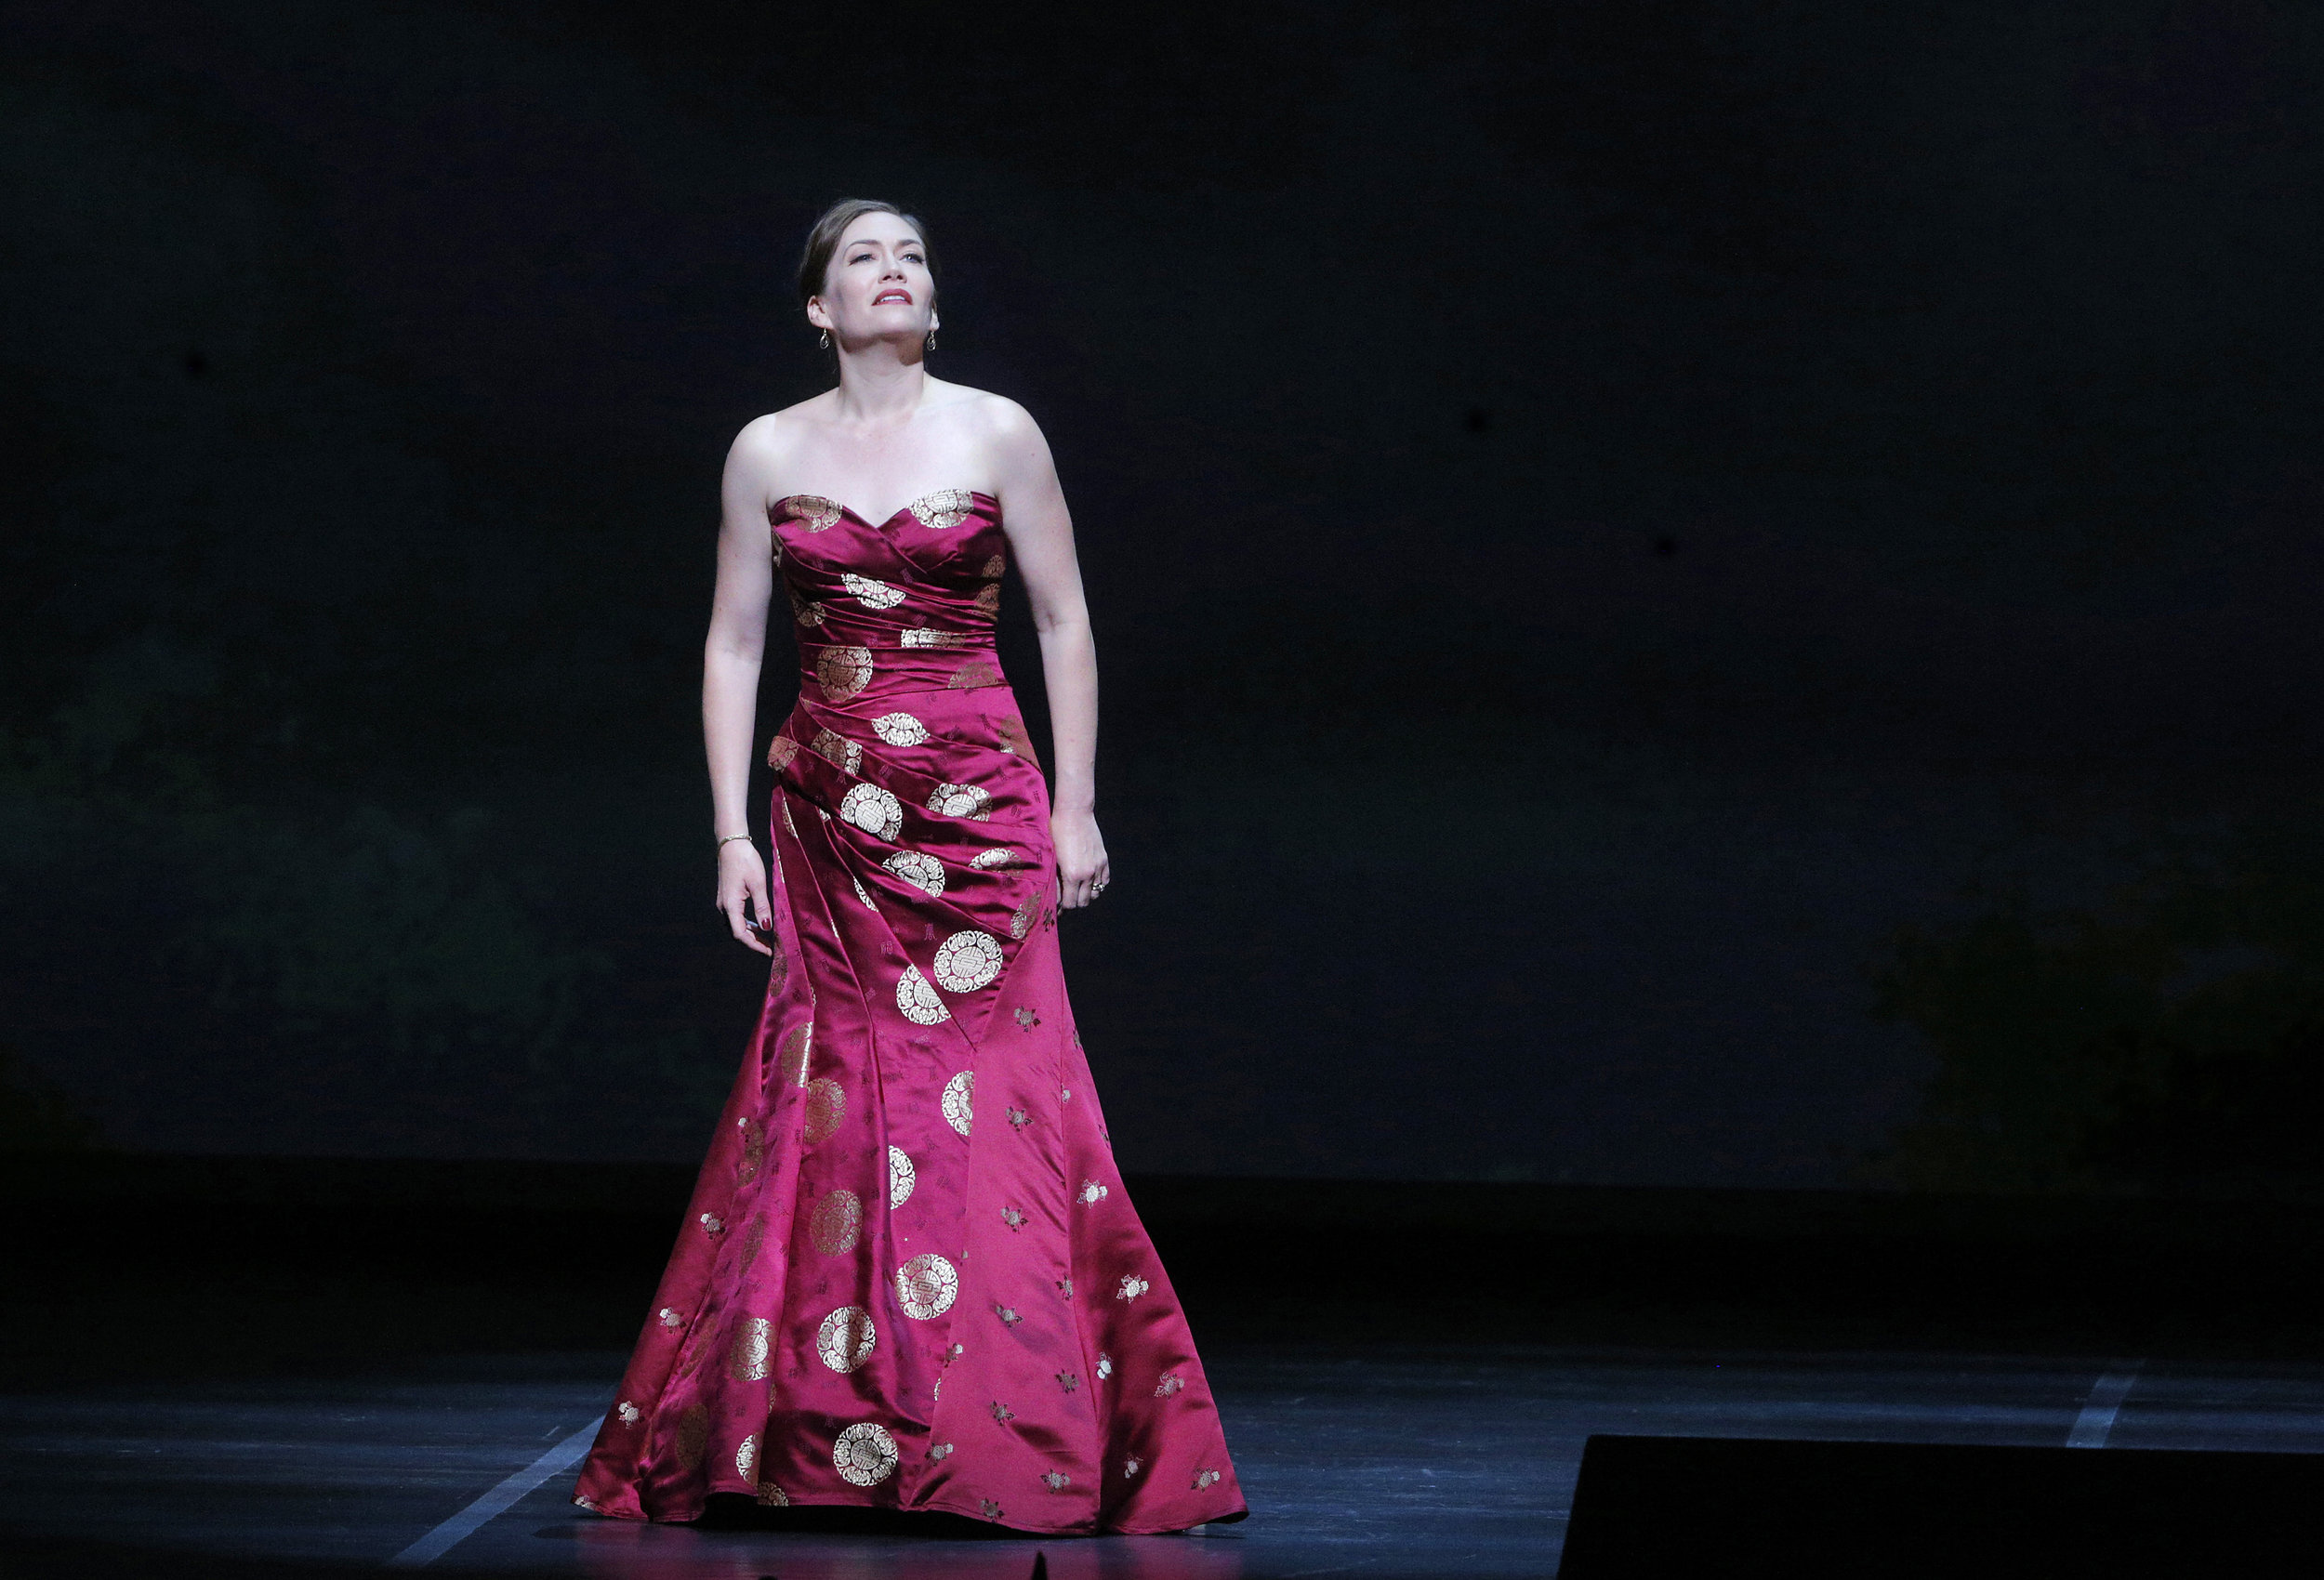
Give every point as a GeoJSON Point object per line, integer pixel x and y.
{"type": "Point", "coordinates": [2092, 1426]}
{"type": "Point", "coordinates": [499, 1501]}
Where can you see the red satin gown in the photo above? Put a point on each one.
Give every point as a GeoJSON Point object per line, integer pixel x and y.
{"type": "Point", "coordinates": [910, 1278]}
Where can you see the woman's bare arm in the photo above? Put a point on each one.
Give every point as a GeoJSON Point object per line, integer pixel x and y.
{"type": "Point", "coordinates": [1041, 536]}
{"type": "Point", "coordinates": [731, 661]}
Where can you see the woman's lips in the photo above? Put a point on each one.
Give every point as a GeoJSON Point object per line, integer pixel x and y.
{"type": "Point", "coordinates": [886, 296]}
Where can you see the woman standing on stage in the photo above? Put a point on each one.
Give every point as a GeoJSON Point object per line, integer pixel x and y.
{"type": "Point", "coordinates": [909, 1278]}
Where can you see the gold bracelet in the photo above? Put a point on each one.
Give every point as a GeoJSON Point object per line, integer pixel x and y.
{"type": "Point", "coordinates": [731, 838]}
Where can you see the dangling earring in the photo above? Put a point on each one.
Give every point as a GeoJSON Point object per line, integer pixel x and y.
{"type": "Point", "coordinates": [824, 339]}
{"type": "Point", "coordinates": [931, 339]}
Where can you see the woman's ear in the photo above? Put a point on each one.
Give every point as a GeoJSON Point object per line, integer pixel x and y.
{"type": "Point", "coordinates": [815, 315]}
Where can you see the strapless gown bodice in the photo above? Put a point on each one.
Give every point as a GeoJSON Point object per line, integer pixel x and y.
{"type": "Point", "coordinates": [891, 608]}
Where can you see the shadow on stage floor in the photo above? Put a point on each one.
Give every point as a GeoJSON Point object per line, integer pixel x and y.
{"type": "Point", "coordinates": [294, 1368]}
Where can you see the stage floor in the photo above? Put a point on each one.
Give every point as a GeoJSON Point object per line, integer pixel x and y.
{"type": "Point", "coordinates": [1372, 1461]}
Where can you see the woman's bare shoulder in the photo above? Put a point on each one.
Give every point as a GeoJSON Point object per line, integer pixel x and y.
{"type": "Point", "coordinates": [994, 419]}
{"type": "Point", "coordinates": [768, 446]}
{"type": "Point", "coordinates": [779, 431]}
{"type": "Point", "coordinates": [1011, 449]}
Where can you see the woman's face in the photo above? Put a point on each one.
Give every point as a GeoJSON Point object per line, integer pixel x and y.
{"type": "Point", "coordinates": [876, 286]}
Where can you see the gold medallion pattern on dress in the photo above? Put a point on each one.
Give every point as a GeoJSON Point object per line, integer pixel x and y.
{"type": "Point", "coordinates": [968, 801]}
{"type": "Point", "coordinates": [846, 1339]}
{"type": "Point", "coordinates": [802, 611]}
{"type": "Point", "coordinates": [901, 1176]}
{"type": "Point", "coordinates": [926, 1286]}
{"type": "Point", "coordinates": [692, 1437]}
{"type": "Point", "coordinates": [842, 672]}
{"type": "Point", "coordinates": [837, 750]}
{"type": "Point", "coordinates": [790, 1059]}
{"type": "Point", "coordinates": [920, 870]}
{"type": "Point", "coordinates": [998, 856]}
{"type": "Point", "coordinates": [872, 809]}
{"type": "Point", "coordinates": [959, 1099]}
{"type": "Point", "coordinates": [779, 751]}
{"type": "Point", "coordinates": [811, 511]}
{"type": "Point", "coordinates": [836, 1223]}
{"type": "Point", "coordinates": [968, 960]}
{"type": "Point", "coordinates": [754, 1150]}
{"type": "Point", "coordinates": [900, 730]}
{"type": "Point", "coordinates": [747, 1456]}
{"type": "Point", "coordinates": [1009, 736]}
{"type": "Point", "coordinates": [944, 509]}
{"type": "Point", "coordinates": [919, 1001]}
{"type": "Point", "coordinates": [971, 676]}
{"type": "Point", "coordinates": [826, 1106]}
{"type": "Point", "coordinates": [747, 1358]}
{"type": "Point", "coordinates": [865, 1454]}
{"type": "Point", "coordinates": [988, 599]}
{"type": "Point", "coordinates": [774, 1496]}
{"type": "Point", "coordinates": [871, 592]}
{"type": "Point", "coordinates": [929, 637]}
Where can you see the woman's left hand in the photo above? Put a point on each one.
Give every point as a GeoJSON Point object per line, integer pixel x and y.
{"type": "Point", "coordinates": [1082, 870]}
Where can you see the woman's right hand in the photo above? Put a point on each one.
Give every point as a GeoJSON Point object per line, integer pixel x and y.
{"type": "Point", "coordinates": [742, 876]}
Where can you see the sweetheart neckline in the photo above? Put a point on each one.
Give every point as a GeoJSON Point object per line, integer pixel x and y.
{"type": "Point", "coordinates": [906, 508]}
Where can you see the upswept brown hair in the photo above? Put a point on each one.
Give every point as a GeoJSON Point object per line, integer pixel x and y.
{"type": "Point", "coordinates": [814, 264]}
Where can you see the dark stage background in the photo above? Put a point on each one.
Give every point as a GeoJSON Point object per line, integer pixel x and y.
{"type": "Point", "coordinates": [1690, 594]}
